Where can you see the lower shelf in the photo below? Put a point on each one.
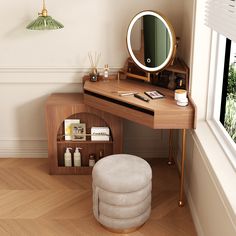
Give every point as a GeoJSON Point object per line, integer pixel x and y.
{"type": "Point", "coordinates": [83, 170]}
{"type": "Point", "coordinates": [105, 147]}
{"type": "Point", "coordinates": [60, 107]}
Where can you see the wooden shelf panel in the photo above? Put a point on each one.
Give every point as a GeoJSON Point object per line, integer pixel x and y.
{"type": "Point", "coordinates": [75, 167]}
{"type": "Point", "coordinates": [85, 142]}
{"type": "Point", "coordinates": [82, 170]}
{"type": "Point", "coordinates": [178, 67]}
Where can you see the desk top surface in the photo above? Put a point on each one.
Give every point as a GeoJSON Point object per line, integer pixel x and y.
{"type": "Point", "coordinates": [110, 90]}
{"type": "Point", "coordinates": [164, 111]}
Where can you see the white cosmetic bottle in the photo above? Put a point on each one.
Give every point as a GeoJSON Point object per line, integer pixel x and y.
{"type": "Point", "coordinates": [67, 157]}
{"type": "Point", "coordinates": [106, 72]}
{"type": "Point", "coordinates": [77, 157]}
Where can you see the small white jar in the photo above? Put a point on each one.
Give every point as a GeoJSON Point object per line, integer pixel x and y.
{"type": "Point", "coordinates": [180, 94]}
{"type": "Point", "coordinates": [182, 102]}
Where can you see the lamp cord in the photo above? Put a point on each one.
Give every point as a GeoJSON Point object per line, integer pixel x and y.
{"type": "Point", "coordinates": [44, 5]}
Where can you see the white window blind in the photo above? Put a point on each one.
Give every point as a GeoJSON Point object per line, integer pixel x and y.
{"type": "Point", "coordinates": [221, 17]}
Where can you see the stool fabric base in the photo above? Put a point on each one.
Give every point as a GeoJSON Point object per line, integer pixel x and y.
{"type": "Point", "coordinates": [126, 223]}
{"type": "Point", "coordinates": [122, 187]}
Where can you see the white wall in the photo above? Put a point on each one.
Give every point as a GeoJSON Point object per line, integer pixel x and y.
{"type": "Point", "coordinates": [34, 64]}
{"type": "Point", "coordinates": [89, 25]}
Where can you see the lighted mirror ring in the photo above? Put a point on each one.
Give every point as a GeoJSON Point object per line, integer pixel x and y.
{"type": "Point", "coordinates": [171, 32]}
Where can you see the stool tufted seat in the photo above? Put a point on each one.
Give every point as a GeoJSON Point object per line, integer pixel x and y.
{"type": "Point", "coordinates": [122, 192]}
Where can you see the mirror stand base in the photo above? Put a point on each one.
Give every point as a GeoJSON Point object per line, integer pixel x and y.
{"type": "Point", "coordinates": [126, 72]}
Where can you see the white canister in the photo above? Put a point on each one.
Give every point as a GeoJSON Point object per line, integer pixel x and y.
{"type": "Point", "coordinates": [183, 102]}
{"type": "Point", "coordinates": [180, 94]}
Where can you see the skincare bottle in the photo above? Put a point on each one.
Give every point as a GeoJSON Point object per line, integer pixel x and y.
{"type": "Point", "coordinates": [77, 157]}
{"type": "Point", "coordinates": [106, 74]}
{"type": "Point", "coordinates": [67, 157]}
{"type": "Point", "coordinates": [179, 83]}
{"type": "Point", "coordinates": [101, 154]}
{"type": "Point", "coordinates": [92, 160]}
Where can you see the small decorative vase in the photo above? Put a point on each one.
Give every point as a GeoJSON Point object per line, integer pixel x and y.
{"type": "Point", "coordinates": [94, 75]}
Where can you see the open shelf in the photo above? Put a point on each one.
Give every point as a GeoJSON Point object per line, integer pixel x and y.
{"type": "Point", "coordinates": [71, 106]}
{"type": "Point", "coordinates": [87, 148]}
{"type": "Point", "coordinates": [162, 79]}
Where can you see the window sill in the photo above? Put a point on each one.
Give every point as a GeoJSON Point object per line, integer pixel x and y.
{"type": "Point", "coordinates": [219, 166]}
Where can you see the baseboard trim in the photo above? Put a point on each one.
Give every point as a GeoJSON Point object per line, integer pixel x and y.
{"type": "Point", "coordinates": [23, 149]}
{"type": "Point", "coordinates": [193, 210]}
{"type": "Point", "coordinates": [188, 195]}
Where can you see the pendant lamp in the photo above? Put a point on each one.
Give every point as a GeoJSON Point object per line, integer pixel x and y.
{"type": "Point", "coordinates": [44, 22]}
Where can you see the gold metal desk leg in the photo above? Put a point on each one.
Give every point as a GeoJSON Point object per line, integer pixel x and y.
{"type": "Point", "coordinates": [181, 192]}
{"type": "Point", "coordinates": [171, 148]}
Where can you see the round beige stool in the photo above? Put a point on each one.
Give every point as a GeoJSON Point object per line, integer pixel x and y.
{"type": "Point", "coordinates": [122, 187]}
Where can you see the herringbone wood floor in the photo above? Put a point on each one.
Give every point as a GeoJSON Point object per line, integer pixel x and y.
{"type": "Point", "coordinates": [35, 203]}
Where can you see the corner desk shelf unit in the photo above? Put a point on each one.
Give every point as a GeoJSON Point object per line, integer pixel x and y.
{"type": "Point", "coordinates": [178, 68]}
{"type": "Point", "coordinates": [71, 106]}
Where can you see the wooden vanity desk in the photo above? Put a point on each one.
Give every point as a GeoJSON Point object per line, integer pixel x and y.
{"type": "Point", "coordinates": [160, 113]}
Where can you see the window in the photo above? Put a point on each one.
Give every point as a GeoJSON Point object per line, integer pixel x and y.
{"type": "Point", "coordinates": [228, 100]}
{"type": "Point", "coordinates": [221, 107]}
{"type": "Point", "coordinates": [216, 148]}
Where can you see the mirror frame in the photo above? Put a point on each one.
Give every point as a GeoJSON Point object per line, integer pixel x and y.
{"type": "Point", "coordinates": [173, 45]}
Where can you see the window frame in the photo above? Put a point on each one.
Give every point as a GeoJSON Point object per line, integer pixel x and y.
{"type": "Point", "coordinates": [225, 80]}
{"type": "Point", "coordinates": [208, 147]}
{"type": "Point", "coordinates": [216, 72]}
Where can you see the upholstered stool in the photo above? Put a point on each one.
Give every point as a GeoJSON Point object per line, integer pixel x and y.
{"type": "Point", "coordinates": [122, 192]}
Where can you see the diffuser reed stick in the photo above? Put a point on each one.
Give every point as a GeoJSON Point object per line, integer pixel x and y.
{"type": "Point", "coordinates": [94, 60]}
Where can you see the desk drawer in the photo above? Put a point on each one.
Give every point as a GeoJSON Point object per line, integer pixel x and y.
{"type": "Point", "coordinates": [124, 110]}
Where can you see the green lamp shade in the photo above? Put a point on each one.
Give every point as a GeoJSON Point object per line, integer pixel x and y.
{"type": "Point", "coordinates": [44, 23]}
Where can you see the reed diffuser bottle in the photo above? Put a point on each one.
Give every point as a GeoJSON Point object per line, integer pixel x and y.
{"type": "Point", "coordinates": [94, 64]}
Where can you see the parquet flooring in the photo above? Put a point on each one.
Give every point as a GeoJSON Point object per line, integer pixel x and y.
{"type": "Point", "coordinates": [32, 202]}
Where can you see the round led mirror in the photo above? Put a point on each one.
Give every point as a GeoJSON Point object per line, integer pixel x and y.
{"type": "Point", "coordinates": [151, 41]}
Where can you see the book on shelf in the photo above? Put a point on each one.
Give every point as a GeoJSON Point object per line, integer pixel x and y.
{"type": "Point", "coordinates": [100, 134]}
{"type": "Point", "coordinates": [68, 127]}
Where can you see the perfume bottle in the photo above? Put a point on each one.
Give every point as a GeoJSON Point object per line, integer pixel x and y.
{"type": "Point", "coordinates": [101, 154]}
{"type": "Point", "coordinates": [92, 160]}
{"type": "Point", "coordinates": [106, 72]}
{"type": "Point", "coordinates": [180, 83]}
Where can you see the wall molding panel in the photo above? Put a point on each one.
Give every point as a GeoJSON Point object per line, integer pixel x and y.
{"type": "Point", "coordinates": [24, 134]}
{"type": "Point", "coordinates": [34, 64]}
{"type": "Point", "coordinates": [46, 75]}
